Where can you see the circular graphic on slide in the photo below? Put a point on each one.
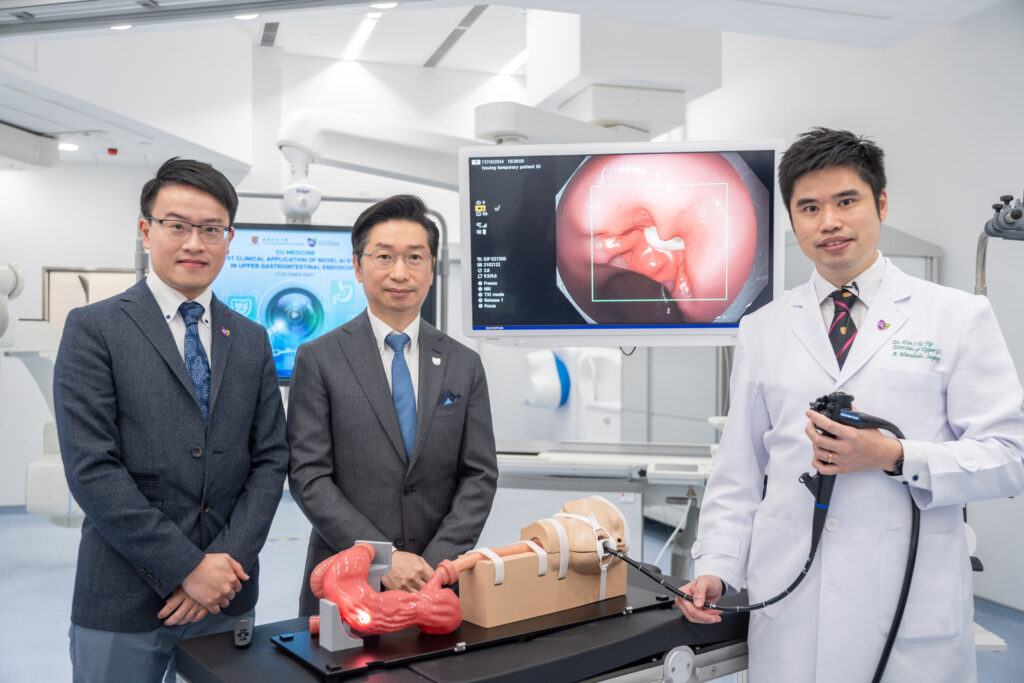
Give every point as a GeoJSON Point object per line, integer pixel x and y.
{"type": "Point", "coordinates": [294, 312]}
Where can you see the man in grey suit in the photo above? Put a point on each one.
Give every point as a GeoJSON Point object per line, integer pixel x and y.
{"type": "Point", "coordinates": [174, 444]}
{"type": "Point", "coordinates": [389, 419]}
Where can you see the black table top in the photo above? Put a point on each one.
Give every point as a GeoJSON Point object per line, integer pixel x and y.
{"type": "Point", "coordinates": [572, 653]}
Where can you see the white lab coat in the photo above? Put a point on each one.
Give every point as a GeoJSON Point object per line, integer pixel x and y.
{"type": "Point", "coordinates": [957, 400]}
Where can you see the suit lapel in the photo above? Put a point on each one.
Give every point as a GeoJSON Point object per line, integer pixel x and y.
{"type": "Point", "coordinates": [805, 320]}
{"type": "Point", "coordinates": [220, 341]}
{"type": "Point", "coordinates": [360, 350]}
{"type": "Point", "coordinates": [432, 359]}
{"type": "Point", "coordinates": [881, 321]}
{"type": "Point", "coordinates": [138, 303]}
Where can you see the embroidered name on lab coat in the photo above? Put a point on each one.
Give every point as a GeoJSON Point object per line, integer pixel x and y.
{"type": "Point", "coordinates": [916, 348]}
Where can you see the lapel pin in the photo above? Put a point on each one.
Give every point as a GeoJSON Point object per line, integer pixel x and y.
{"type": "Point", "coordinates": [882, 325]}
{"type": "Point", "coordinates": [225, 331]}
{"type": "Point", "coordinates": [436, 360]}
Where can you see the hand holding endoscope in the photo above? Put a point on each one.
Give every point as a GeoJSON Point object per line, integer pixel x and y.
{"type": "Point", "coordinates": [838, 407]}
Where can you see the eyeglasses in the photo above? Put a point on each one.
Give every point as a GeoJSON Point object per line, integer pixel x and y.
{"type": "Point", "coordinates": [385, 259]}
{"type": "Point", "coordinates": [181, 230]}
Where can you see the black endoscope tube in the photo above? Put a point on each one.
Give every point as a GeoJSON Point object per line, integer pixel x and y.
{"type": "Point", "coordinates": [821, 486]}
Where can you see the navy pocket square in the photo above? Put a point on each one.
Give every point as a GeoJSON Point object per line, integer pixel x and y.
{"type": "Point", "coordinates": [448, 398]}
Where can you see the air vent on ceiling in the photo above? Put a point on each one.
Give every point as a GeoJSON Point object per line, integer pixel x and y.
{"type": "Point", "coordinates": [269, 34]}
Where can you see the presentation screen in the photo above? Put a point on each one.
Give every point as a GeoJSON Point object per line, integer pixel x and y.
{"type": "Point", "coordinates": [626, 244]}
{"type": "Point", "coordinates": [296, 280]}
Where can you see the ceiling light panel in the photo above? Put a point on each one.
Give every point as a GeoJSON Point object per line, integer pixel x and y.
{"type": "Point", "coordinates": [494, 39]}
{"type": "Point", "coordinates": [398, 41]}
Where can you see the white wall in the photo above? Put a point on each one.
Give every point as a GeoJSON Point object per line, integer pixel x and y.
{"type": "Point", "coordinates": [73, 215]}
{"type": "Point", "coordinates": [945, 108]}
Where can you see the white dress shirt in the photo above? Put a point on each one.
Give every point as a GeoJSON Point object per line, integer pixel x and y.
{"type": "Point", "coordinates": [169, 299]}
{"type": "Point", "coordinates": [387, 354]}
{"type": "Point", "coordinates": [864, 286]}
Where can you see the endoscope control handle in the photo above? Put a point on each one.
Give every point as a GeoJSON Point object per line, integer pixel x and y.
{"type": "Point", "coordinates": [820, 486]}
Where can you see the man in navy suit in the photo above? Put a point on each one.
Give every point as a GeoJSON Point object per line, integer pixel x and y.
{"type": "Point", "coordinates": [389, 419]}
{"type": "Point", "coordinates": [173, 437]}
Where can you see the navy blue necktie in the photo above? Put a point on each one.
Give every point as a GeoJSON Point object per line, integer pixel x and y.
{"type": "Point", "coordinates": [195, 357]}
{"type": "Point", "coordinates": [401, 391]}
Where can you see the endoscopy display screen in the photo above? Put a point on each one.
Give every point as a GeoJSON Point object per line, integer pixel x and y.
{"type": "Point", "coordinates": [638, 240]}
{"type": "Point", "coordinates": [297, 281]}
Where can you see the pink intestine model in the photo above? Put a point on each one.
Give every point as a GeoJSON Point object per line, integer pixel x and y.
{"type": "Point", "coordinates": [342, 578]}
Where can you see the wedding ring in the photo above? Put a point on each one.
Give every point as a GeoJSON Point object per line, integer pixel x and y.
{"type": "Point", "coordinates": [830, 454]}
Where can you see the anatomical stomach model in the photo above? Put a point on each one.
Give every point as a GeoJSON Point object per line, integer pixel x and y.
{"type": "Point", "coordinates": [562, 562]}
{"type": "Point", "coordinates": [669, 237]}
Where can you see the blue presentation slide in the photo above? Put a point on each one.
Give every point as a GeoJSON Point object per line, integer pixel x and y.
{"type": "Point", "coordinates": [298, 282]}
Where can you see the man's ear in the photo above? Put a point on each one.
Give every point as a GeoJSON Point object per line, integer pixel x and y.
{"type": "Point", "coordinates": [144, 227]}
{"type": "Point", "coordinates": [357, 268]}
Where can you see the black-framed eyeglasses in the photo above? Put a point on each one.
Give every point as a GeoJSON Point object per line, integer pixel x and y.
{"type": "Point", "coordinates": [385, 259]}
{"type": "Point", "coordinates": [180, 230]}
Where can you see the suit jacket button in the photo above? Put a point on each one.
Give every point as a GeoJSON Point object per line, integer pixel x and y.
{"type": "Point", "coordinates": [409, 490]}
{"type": "Point", "coordinates": [197, 452]}
{"type": "Point", "coordinates": [206, 508]}
{"type": "Point", "coordinates": [399, 542]}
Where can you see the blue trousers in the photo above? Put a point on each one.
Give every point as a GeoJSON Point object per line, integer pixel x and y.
{"type": "Point", "coordinates": [145, 656]}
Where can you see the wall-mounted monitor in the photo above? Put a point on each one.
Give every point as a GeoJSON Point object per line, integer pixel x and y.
{"type": "Point", "coordinates": [626, 244]}
{"type": "Point", "coordinates": [295, 280]}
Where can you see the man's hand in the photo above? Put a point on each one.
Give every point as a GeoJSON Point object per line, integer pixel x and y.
{"type": "Point", "coordinates": [705, 588]}
{"type": "Point", "coordinates": [409, 572]}
{"type": "Point", "coordinates": [852, 449]}
{"type": "Point", "coordinates": [215, 581]}
{"type": "Point", "coordinates": [181, 609]}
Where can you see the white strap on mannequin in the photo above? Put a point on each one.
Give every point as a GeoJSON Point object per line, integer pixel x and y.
{"type": "Point", "coordinates": [592, 522]}
{"type": "Point", "coordinates": [625, 523]}
{"type": "Point", "coordinates": [499, 564]}
{"type": "Point", "coordinates": [542, 558]}
{"type": "Point", "coordinates": [563, 546]}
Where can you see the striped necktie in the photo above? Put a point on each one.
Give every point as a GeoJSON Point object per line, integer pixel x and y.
{"type": "Point", "coordinates": [842, 331]}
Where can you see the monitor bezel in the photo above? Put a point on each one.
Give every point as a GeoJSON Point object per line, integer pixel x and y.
{"type": "Point", "coordinates": [720, 334]}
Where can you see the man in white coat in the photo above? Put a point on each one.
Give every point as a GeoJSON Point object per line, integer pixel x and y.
{"type": "Point", "coordinates": [929, 359]}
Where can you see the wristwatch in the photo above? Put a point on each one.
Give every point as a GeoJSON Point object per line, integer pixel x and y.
{"type": "Point", "coordinates": [897, 469]}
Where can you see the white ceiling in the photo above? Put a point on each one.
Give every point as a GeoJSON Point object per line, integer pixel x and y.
{"type": "Point", "coordinates": [410, 34]}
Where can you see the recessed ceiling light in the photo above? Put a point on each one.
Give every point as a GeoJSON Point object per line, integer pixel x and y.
{"type": "Point", "coordinates": [67, 146]}
{"type": "Point", "coordinates": [383, 5]}
{"type": "Point", "coordinates": [245, 17]}
{"type": "Point", "coordinates": [121, 27]}
{"type": "Point", "coordinates": [359, 38]}
{"type": "Point", "coordinates": [515, 64]}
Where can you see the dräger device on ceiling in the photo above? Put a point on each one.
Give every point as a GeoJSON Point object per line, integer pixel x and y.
{"type": "Point", "coordinates": [618, 243]}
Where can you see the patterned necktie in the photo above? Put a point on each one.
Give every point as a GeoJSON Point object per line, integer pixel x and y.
{"type": "Point", "coordinates": [401, 391]}
{"type": "Point", "coordinates": [195, 356]}
{"type": "Point", "coordinates": [842, 331]}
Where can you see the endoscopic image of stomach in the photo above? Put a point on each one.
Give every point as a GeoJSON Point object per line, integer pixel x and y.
{"type": "Point", "coordinates": [662, 238]}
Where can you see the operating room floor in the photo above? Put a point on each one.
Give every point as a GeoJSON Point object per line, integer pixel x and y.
{"type": "Point", "coordinates": [37, 568]}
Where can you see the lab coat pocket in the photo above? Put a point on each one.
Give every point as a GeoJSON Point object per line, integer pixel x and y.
{"type": "Point", "coordinates": [934, 608]}
{"type": "Point", "coordinates": [911, 399]}
{"type": "Point", "coordinates": [778, 551]}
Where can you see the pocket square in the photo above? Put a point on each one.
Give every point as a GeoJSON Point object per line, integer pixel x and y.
{"type": "Point", "coordinates": [448, 398]}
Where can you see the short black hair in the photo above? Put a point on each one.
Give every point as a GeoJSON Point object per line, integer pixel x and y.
{"type": "Point", "coordinates": [402, 207]}
{"type": "Point", "coordinates": [821, 148]}
{"type": "Point", "coordinates": [191, 173]}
